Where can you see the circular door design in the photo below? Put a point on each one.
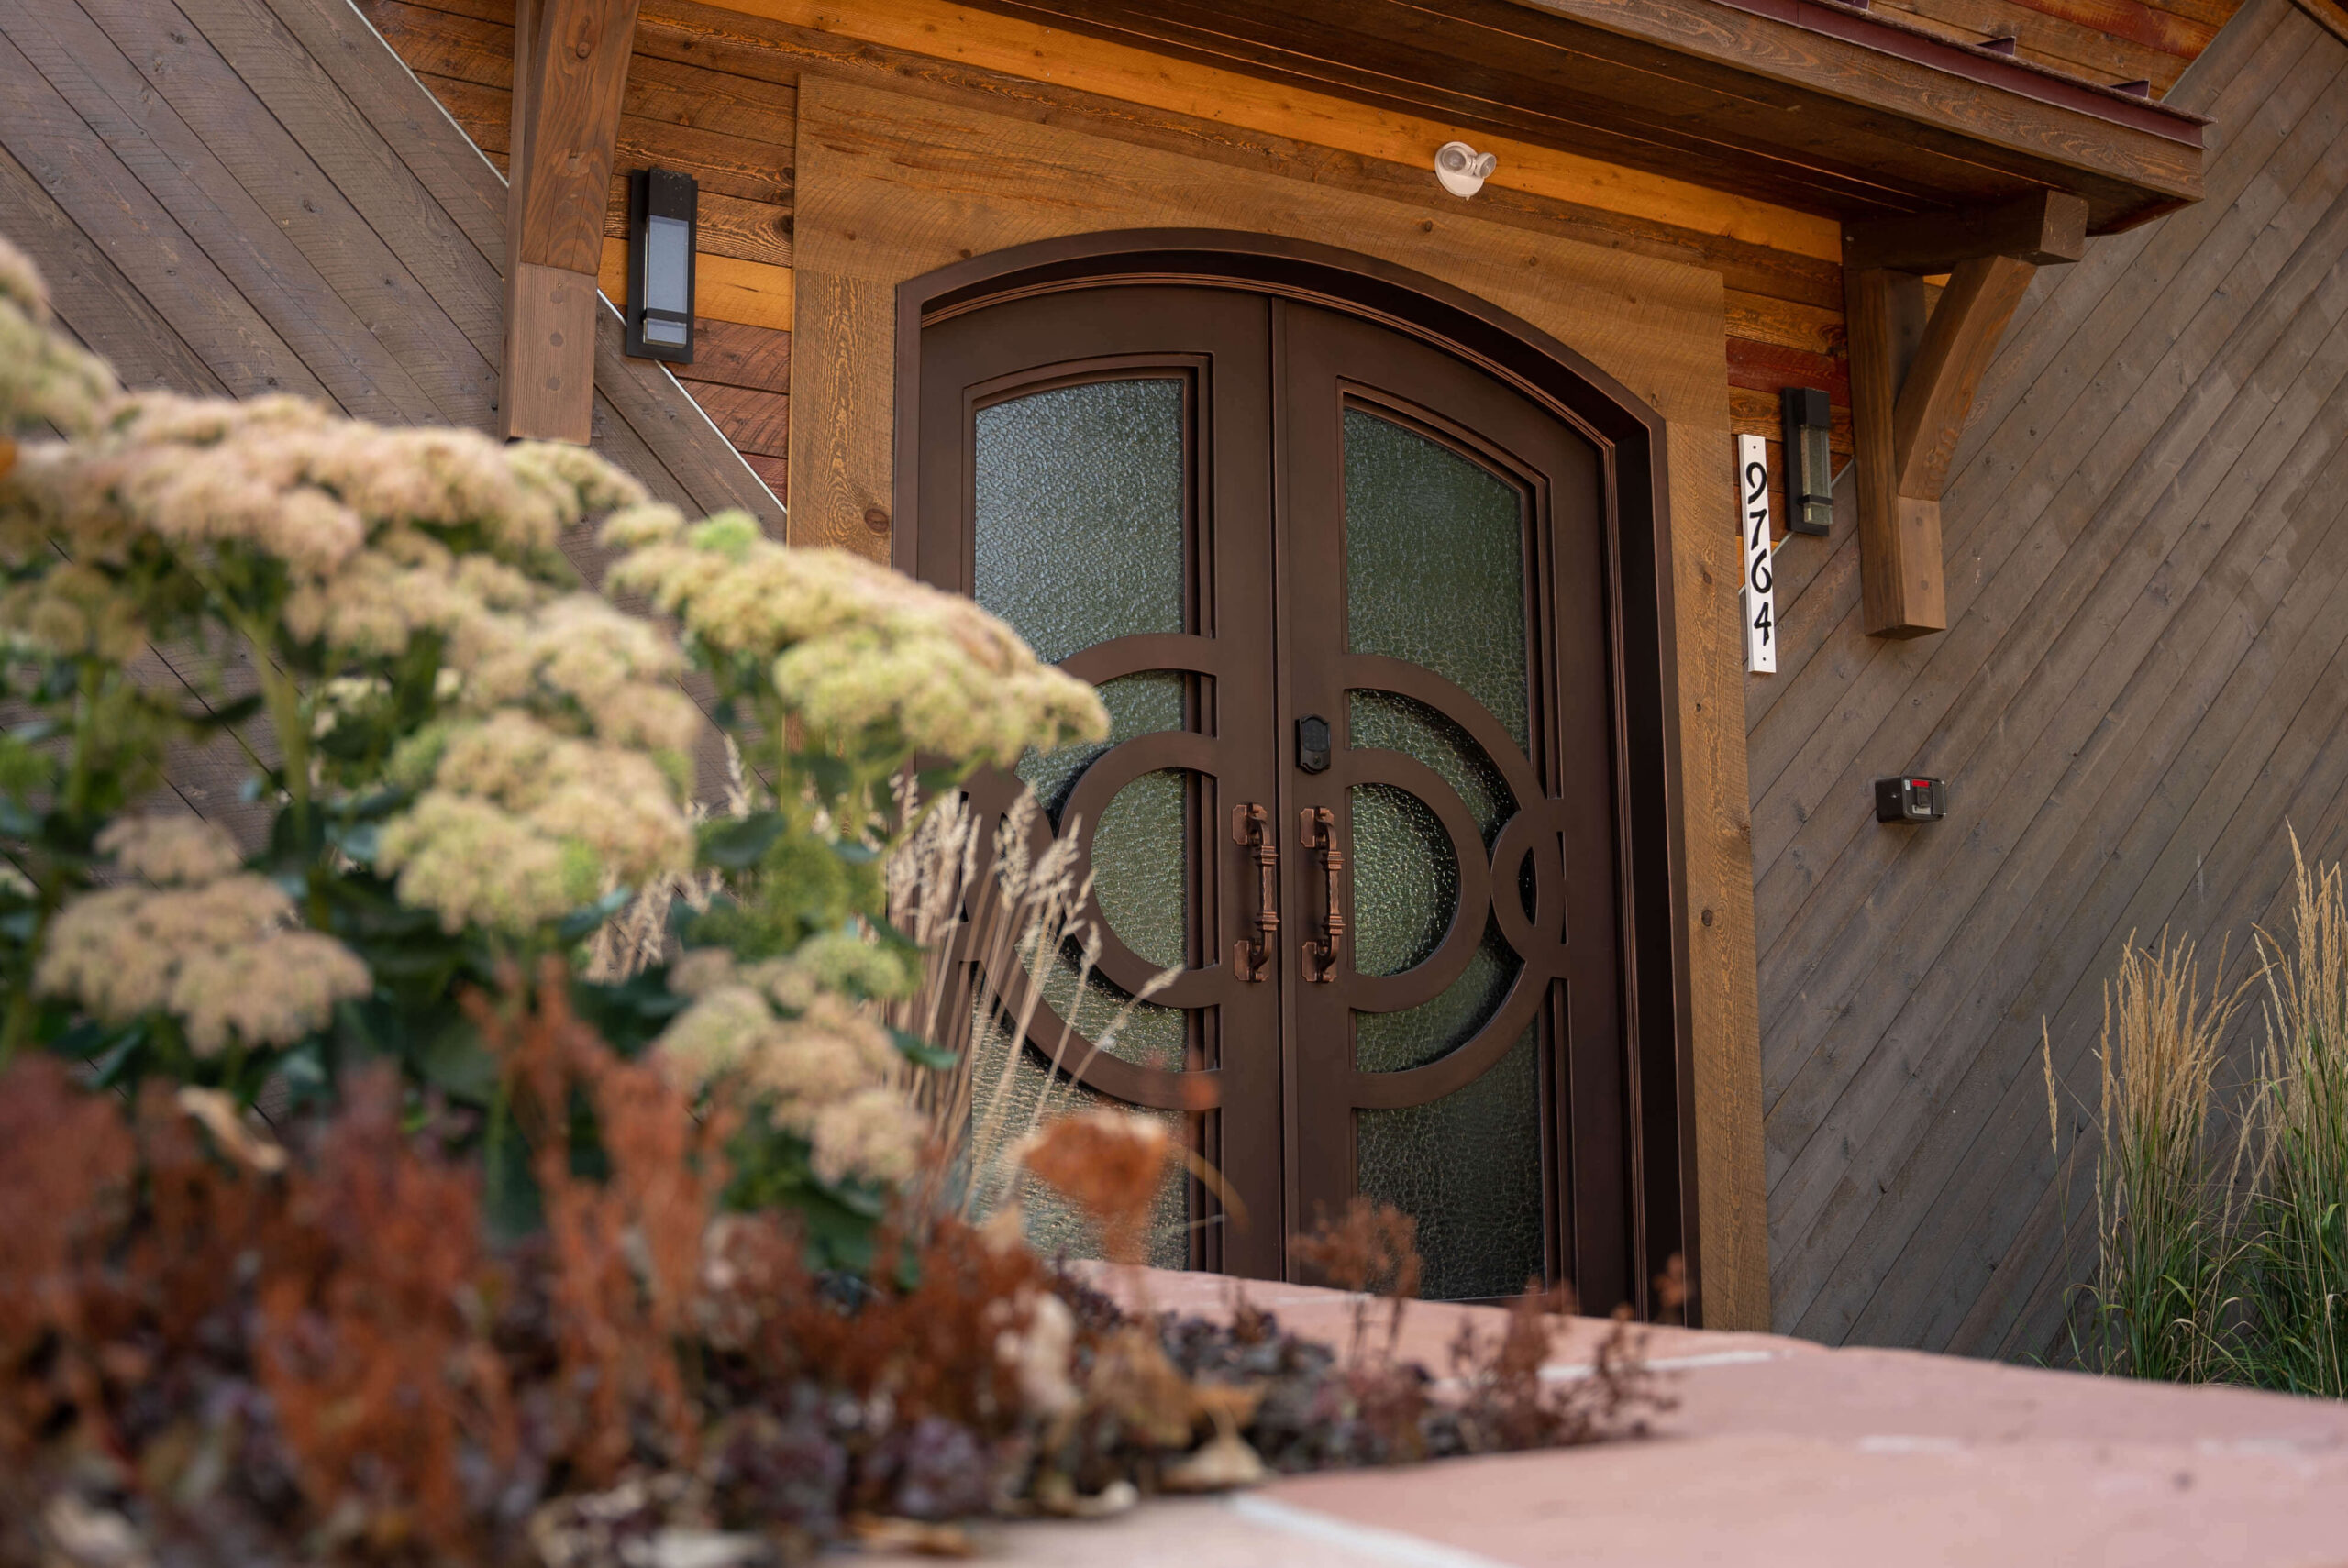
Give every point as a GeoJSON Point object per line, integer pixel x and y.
{"type": "Point", "coordinates": [1350, 853]}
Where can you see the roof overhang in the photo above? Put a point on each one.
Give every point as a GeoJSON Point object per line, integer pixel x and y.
{"type": "Point", "coordinates": [1811, 103]}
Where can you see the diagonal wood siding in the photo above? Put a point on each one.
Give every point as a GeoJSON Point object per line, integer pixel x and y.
{"type": "Point", "coordinates": [250, 196]}
{"type": "Point", "coordinates": [2145, 681]}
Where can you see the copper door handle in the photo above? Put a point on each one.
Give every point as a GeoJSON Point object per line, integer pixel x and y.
{"type": "Point", "coordinates": [1317, 828]}
{"type": "Point", "coordinates": [1251, 828]}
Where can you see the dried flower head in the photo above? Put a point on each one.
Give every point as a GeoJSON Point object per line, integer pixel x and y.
{"type": "Point", "coordinates": [1109, 1163]}
{"type": "Point", "coordinates": [222, 957]}
{"type": "Point", "coordinates": [170, 851]}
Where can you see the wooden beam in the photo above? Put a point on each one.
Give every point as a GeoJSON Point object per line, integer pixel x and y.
{"type": "Point", "coordinates": [1938, 392]}
{"type": "Point", "coordinates": [2043, 227]}
{"type": "Point", "coordinates": [1908, 412]}
{"type": "Point", "coordinates": [569, 70]}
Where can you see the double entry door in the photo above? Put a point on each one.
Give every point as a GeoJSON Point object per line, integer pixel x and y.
{"type": "Point", "coordinates": [1343, 594]}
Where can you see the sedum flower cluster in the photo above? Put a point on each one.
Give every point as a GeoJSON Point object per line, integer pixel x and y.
{"type": "Point", "coordinates": [198, 939]}
{"type": "Point", "coordinates": [788, 1032]}
{"type": "Point", "coordinates": [545, 746]}
{"type": "Point", "coordinates": [865, 658]}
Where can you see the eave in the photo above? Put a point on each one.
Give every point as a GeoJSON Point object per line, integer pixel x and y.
{"type": "Point", "coordinates": [1811, 103]}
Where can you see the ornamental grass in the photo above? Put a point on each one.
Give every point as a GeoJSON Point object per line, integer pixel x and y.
{"type": "Point", "coordinates": [2222, 1221]}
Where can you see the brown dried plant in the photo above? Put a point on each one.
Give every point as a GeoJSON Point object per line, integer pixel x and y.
{"type": "Point", "coordinates": [371, 1346]}
{"type": "Point", "coordinates": [1372, 1250]}
{"type": "Point", "coordinates": [1110, 1165]}
{"type": "Point", "coordinates": [1511, 1398]}
{"type": "Point", "coordinates": [67, 1164]}
{"type": "Point", "coordinates": [624, 1255]}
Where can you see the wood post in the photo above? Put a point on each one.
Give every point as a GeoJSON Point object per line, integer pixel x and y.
{"type": "Point", "coordinates": [1913, 377]}
{"type": "Point", "coordinates": [569, 70]}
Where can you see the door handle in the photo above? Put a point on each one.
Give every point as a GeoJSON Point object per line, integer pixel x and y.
{"type": "Point", "coordinates": [1317, 828]}
{"type": "Point", "coordinates": [1251, 828]}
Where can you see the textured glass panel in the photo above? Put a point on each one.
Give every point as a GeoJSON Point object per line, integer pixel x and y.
{"type": "Point", "coordinates": [1391, 1041]}
{"type": "Point", "coordinates": [1139, 862]}
{"type": "Point", "coordinates": [1138, 705]}
{"type": "Point", "coordinates": [1468, 1166]}
{"type": "Point", "coordinates": [1387, 721]}
{"type": "Point", "coordinates": [1080, 513]}
{"type": "Point", "coordinates": [1434, 563]}
{"type": "Point", "coordinates": [1053, 1225]}
{"type": "Point", "coordinates": [1406, 880]}
{"type": "Point", "coordinates": [1402, 915]}
{"type": "Point", "coordinates": [1140, 866]}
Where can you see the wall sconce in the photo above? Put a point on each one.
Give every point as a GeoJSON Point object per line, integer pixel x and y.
{"type": "Point", "coordinates": [661, 205]}
{"type": "Point", "coordinates": [1809, 459]}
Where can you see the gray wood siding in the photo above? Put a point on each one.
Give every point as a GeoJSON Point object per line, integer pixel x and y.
{"type": "Point", "coordinates": [2142, 687]}
{"type": "Point", "coordinates": [252, 197]}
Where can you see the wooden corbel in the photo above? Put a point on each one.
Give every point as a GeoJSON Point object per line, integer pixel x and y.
{"type": "Point", "coordinates": [569, 70]}
{"type": "Point", "coordinates": [1913, 375]}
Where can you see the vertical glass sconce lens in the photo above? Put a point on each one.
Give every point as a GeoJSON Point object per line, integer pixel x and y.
{"type": "Point", "coordinates": [1808, 458]}
{"type": "Point", "coordinates": [667, 253]}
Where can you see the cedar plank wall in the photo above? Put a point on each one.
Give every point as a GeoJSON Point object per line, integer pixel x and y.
{"type": "Point", "coordinates": [732, 133]}
{"type": "Point", "coordinates": [2144, 686]}
{"type": "Point", "coordinates": [710, 93]}
{"type": "Point", "coordinates": [247, 197]}
{"type": "Point", "coordinates": [242, 197]}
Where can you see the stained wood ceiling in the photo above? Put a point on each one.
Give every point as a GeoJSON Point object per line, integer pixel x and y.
{"type": "Point", "coordinates": [1813, 104]}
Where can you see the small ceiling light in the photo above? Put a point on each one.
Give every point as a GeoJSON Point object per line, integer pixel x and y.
{"type": "Point", "coordinates": [661, 218]}
{"type": "Point", "coordinates": [1809, 459]}
{"type": "Point", "coordinates": [1462, 169]}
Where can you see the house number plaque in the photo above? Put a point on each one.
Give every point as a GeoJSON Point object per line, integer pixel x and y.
{"type": "Point", "coordinates": [1757, 598]}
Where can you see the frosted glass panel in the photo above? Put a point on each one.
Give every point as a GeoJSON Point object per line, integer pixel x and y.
{"type": "Point", "coordinates": [1053, 1225]}
{"type": "Point", "coordinates": [1434, 563]}
{"type": "Point", "coordinates": [1406, 879]}
{"type": "Point", "coordinates": [1406, 884]}
{"type": "Point", "coordinates": [1080, 513]}
{"type": "Point", "coordinates": [1469, 1167]}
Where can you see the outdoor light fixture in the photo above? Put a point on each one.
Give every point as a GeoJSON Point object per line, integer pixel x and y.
{"type": "Point", "coordinates": [1810, 462]}
{"type": "Point", "coordinates": [660, 204]}
{"type": "Point", "coordinates": [1462, 169]}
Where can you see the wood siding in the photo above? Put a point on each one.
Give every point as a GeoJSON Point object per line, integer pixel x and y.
{"type": "Point", "coordinates": [250, 196]}
{"type": "Point", "coordinates": [2144, 686]}
{"type": "Point", "coordinates": [713, 93]}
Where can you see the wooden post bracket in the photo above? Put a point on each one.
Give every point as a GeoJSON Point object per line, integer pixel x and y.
{"type": "Point", "coordinates": [1913, 375]}
{"type": "Point", "coordinates": [569, 70]}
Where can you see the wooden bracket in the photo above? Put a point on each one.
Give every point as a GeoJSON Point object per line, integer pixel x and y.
{"type": "Point", "coordinates": [1913, 376]}
{"type": "Point", "coordinates": [569, 70]}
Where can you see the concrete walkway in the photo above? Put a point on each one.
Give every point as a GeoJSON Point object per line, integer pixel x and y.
{"type": "Point", "coordinates": [1782, 1452]}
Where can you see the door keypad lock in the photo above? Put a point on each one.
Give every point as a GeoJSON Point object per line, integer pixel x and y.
{"type": "Point", "coordinates": [1312, 744]}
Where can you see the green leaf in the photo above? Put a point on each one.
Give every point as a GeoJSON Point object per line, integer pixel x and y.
{"type": "Point", "coordinates": [855, 854]}
{"type": "Point", "coordinates": [457, 1061]}
{"type": "Point", "coordinates": [739, 843]}
{"type": "Point", "coordinates": [582, 922]}
{"type": "Point", "coordinates": [830, 775]}
{"type": "Point", "coordinates": [922, 1054]}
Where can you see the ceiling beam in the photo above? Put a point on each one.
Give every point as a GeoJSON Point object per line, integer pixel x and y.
{"type": "Point", "coordinates": [569, 70]}
{"type": "Point", "coordinates": [1913, 377]}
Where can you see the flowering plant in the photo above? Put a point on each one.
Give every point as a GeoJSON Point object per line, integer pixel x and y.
{"type": "Point", "coordinates": [462, 761]}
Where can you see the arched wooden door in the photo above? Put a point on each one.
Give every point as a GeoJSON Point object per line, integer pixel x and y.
{"type": "Point", "coordinates": [1349, 592]}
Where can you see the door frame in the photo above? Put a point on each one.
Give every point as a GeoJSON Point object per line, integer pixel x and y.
{"type": "Point", "coordinates": [1630, 438]}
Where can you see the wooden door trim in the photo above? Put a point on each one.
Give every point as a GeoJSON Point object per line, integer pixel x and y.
{"type": "Point", "coordinates": [1631, 439]}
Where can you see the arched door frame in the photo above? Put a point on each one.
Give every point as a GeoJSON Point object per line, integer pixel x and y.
{"type": "Point", "coordinates": [1628, 435]}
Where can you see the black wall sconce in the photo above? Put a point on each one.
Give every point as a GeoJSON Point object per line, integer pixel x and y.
{"type": "Point", "coordinates": [661, 206]}
{"type": "Point", "coordinates": [1810, 460]}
